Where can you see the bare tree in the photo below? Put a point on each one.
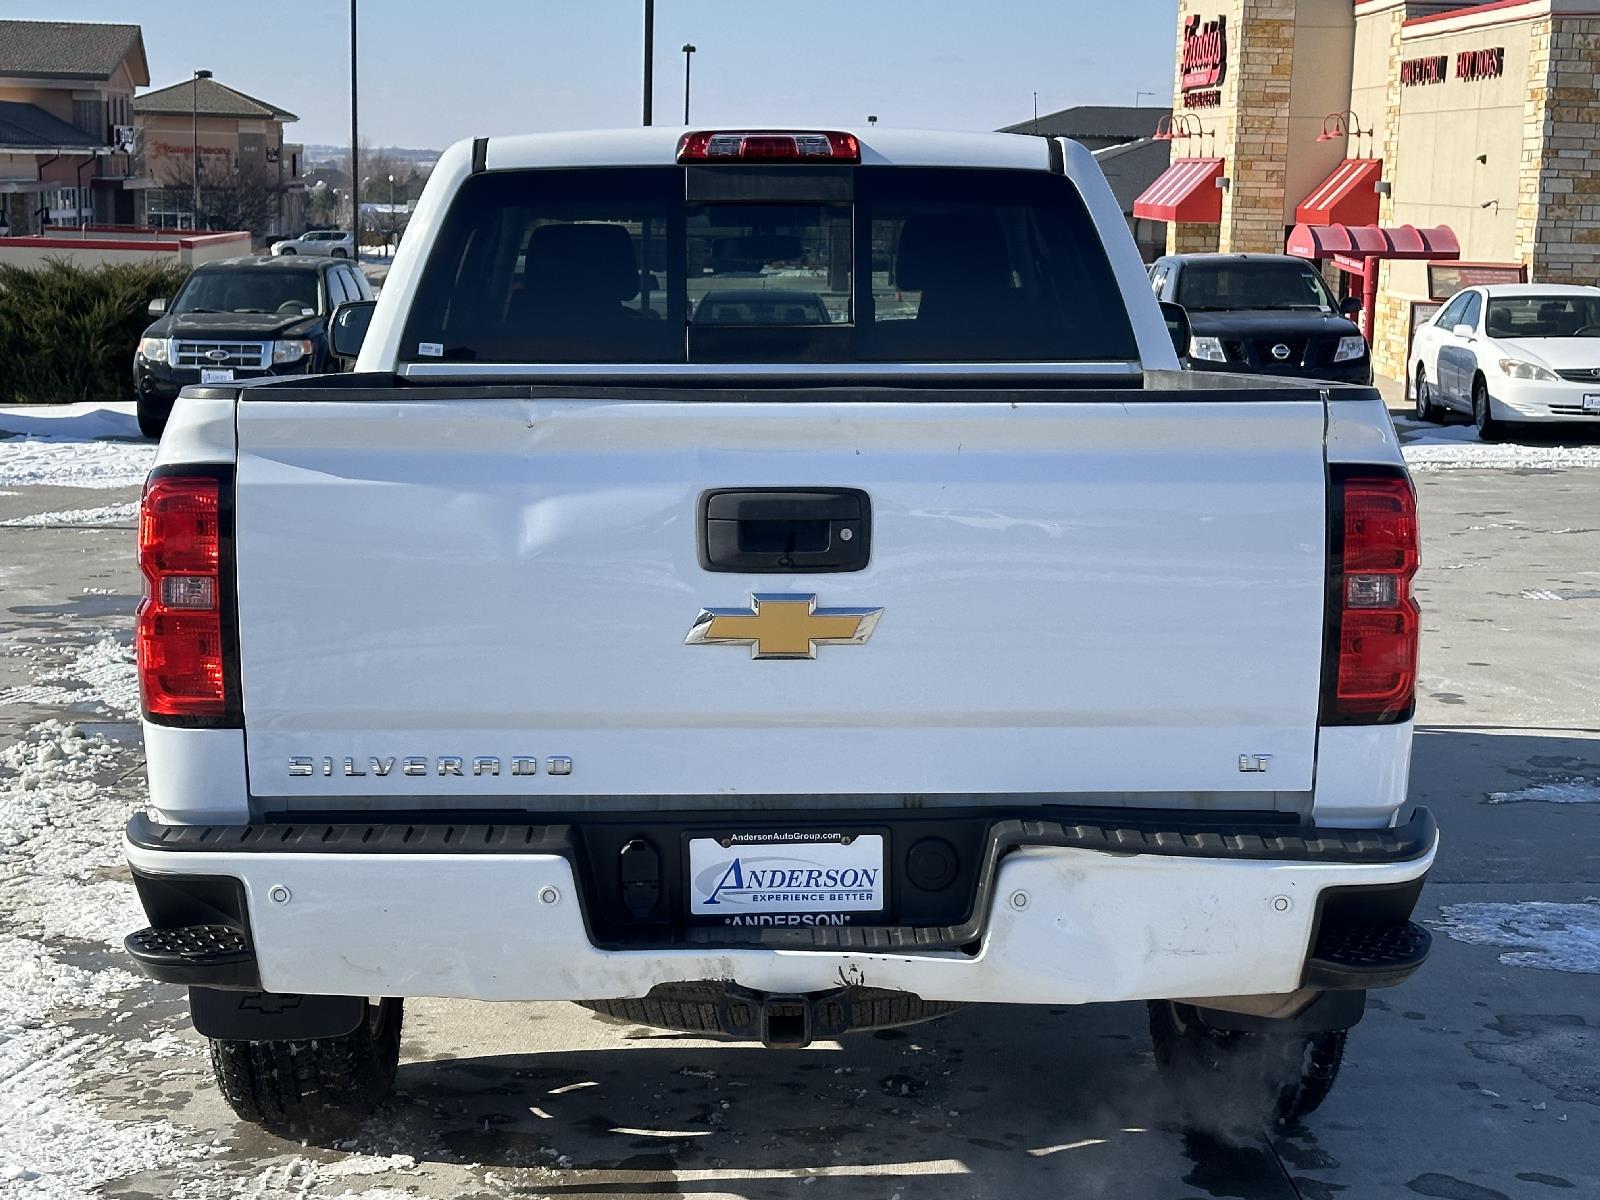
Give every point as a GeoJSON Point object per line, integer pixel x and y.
{"type": "Point", "coordinates": [229, 198]}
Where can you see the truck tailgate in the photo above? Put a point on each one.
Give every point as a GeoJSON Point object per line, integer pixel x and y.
{"type": "Point", "coordinates": [1110, 596]}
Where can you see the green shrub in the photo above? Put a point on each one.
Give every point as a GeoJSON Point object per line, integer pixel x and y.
{"type": "Point", "coordinates": [68, 333]}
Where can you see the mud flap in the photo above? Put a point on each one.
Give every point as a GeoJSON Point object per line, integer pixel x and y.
{"type": "Point", "coordinates": [273, 1017]}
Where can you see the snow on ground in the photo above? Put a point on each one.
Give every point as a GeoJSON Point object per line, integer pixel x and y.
{"type": "Point", "coordinates": [54, 839]}
{"type": "Point", "coordinates": [78, 422]}
{"type": "Point", "coordinates": [85, 464]}
{"type": "Point", "coordinates": [102, 675]}
{"type": "Point", "coordinates": [1571, 791]}
{"type": "Point", "coordinates": [63, 804]}
{"type": "Point", "coordinates": [59, 838]}
{"type": "Point", "coordinates": [1458, 447]}
{"type": "Point", "coordinates": [63, 444]}
{"type": "Point", "coordinates": [60, 824]}
{"type": "Point", "coordinates": [105, 514]}
{"type": "Point", "coordinates": [1535, 933]}
{"type": "Point", "coordinates": [56, 1146]}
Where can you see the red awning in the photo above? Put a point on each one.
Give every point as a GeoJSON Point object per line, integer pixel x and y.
{"type": "Point", "coordinates": [1355, 242]}
{"type": "Point", "coordinates": [1345, 197]}
{"type": "Point", "coordinates": [1185, 191]}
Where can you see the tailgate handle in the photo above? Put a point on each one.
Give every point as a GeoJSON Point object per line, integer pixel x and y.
{"type": "Point", "coordinates": [784, 530]}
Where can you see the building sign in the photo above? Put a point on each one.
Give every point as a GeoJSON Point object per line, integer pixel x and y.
{"type": "Point", "coordinates": [1473, 65]}
{"type": "Point", "coordinates": [168, 148]}
{"type": "Point", "coordinates": [1445, 279]}
{"type": "Point", "coordinates": [1421, 312]}
{"type": "Point", "coordinates": [123, 138]}
{"type": "Point", "coordinates": [1205, 58]}
{"type": "Point", "coordinates": [1432, 69]}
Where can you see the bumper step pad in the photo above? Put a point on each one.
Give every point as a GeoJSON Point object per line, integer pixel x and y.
{"type": "Point", "coordinates": [1367, 957]}
{"type": "Point", "coordinates": [210, 955]}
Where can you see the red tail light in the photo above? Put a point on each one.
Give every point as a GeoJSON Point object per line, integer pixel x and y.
{"type": "Point", "coordinates": [1373, 634]}
{"type": "Point", "coordinates": [768, 146]}
{"type": "Point", "coordinates": [181, 638]}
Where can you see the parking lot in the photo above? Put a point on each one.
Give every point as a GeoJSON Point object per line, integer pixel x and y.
{"type": "Point", "coordinates": [1479, 1080]}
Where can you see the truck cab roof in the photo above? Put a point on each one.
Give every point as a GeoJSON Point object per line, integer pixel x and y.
{"type": "Point", "coordinates": [658, 145]}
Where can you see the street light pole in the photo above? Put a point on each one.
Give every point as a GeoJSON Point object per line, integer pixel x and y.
{"type": "Point", "coordinates": [194, 116]}
{"type": "Point", "coordinates": [649, 55]}
{"type": "Point", "coordinates": [391, 216]}
{"type": "Point", "coordinates": [355, 149]}
{"type": "Point", "coordinates": [688, 51]}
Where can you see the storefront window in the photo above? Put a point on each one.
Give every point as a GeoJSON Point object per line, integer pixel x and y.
{"type": "Point", "coordinates": [169, 209]}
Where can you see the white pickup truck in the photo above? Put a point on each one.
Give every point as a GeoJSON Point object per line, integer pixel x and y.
{"type": "Point", "coordinates": [775, 583]}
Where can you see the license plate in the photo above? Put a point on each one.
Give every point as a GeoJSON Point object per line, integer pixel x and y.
{"type": "Point", "coordinates": [1591, 402]}
{"type": "Point", "coordinates": [216, 374]}
{"type": "Point", "coordinates": [786, 877]}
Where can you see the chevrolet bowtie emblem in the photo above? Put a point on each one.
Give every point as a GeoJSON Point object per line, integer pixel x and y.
{"type": "Point", "coordinates": [782, 626]}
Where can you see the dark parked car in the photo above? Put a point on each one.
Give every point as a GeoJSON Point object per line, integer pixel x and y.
{"type": "Point", "coordinates": [241, 318]}
{"type": "Point", "coordinates": [1270, 314]}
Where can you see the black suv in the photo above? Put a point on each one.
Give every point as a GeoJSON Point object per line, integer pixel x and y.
{"type": "Point", "coordinates": [241, 318]}
{"type": "Point", "coordinates": [1266, 313]}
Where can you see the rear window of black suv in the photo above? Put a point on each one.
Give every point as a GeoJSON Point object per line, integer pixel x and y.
{"type": "Point", "coordinates": [872, 264]}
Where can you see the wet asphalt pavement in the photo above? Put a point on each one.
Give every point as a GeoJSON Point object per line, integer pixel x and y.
{"type": "Point", "coordinates": [1478, 1080]}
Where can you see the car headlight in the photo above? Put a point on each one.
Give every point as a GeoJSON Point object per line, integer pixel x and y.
{"type": "Point", "coordinates": [153, 349]}
{"type": "Point", "coordinates": [290, 351]}
{"type": "Point", "coordinates": [1517, 369]}
{"type": "Point", "coordinates": [1353, 346]}
{"type": "Point", "coordinates": [1208, 349]}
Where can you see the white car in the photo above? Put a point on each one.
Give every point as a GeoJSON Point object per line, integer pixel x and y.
{"type": "Point", "coordinates": [335, 242]}
{"type": "Point", "coordinates": [1510, 353]}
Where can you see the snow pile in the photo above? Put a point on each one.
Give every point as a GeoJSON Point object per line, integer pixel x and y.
{"type": "Point", "coordinates": [102, 674]}
{"type": "Point", "coordinates": [1571, 791]}
{"type": "Point", "coordinates": [105, 514]}
{"type": "Point", "coordinates": [79, 422]}
{"type": "Point", "coordinates": [59, 838]}
{"type": "Point", "coordinates": [1536, 933]}
{"type": "Point", "coordinates": [26, 461]}
{"type": "Point", "coordinates": [57, 444]}
{"type": "Point", "coordinates": [1457, 447]}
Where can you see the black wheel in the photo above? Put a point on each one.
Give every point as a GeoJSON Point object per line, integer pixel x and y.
{"type": "Point", "coordinates": [313, 1090]}
{"type": "Point", "coordinates": [1427, 410]}
{"type": "Point", "coordinates": [338, 252]}
{"type": "Point", "coordinates": [150, 425]}
{"type": "Point", "coordinates": [288, 250]}
{"type": "Point", "coordinates": [1245, 1077]}
{"type": "Point", "coordinates": [1489, 429]}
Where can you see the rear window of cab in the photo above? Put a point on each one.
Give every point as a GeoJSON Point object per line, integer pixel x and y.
{"type": "Point", "coordinates": [788, 264]}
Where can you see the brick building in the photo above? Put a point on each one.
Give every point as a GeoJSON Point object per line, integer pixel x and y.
{"type": "Point", "coordinates": [1330, 127]}
{"type": "Point", "coordinates": [241, 144]}
{"type": "Point", "coordinates": [66, 124]}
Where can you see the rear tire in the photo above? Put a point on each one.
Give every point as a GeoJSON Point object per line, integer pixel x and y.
{"type": "Point", "coordinates": [1489, 428]}
{"type": "Point", "coordinates": [314, 1090]}
{"type": "Point", "coordinates": [150, 425]}
{"type": "Point", "coordinates": [338, 252]}
{"type": "Point", "coordinates": [1427, 410]}
{"type": "Point", "coordinates": [1248, 1077]}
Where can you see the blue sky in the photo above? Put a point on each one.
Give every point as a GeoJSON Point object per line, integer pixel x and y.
{"type": "Point", "coordinates": [434, 71]}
